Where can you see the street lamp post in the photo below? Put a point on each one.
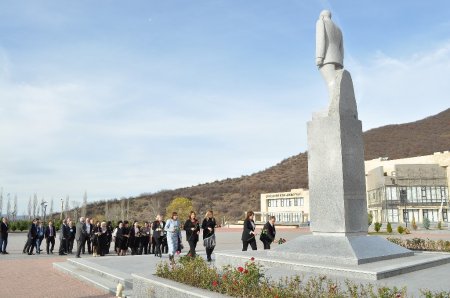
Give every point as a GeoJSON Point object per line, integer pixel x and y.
{"type": "Point", "coordinates": [62, 208]}
{"type": "Point", "coordinates": [44, 207]}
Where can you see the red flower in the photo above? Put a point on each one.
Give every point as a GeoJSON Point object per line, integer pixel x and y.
{"type": "Point", "coordinates": [240, 269]}
{"type": "Point", "coordinates": [252, 259]}
{"type": "Point", "coordinates": [245, 271]}
{"type": "Point", "coordinates": [215, 283]}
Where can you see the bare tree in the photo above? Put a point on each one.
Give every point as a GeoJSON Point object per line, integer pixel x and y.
{"type": "Point", "coordinates": [1, 201]}
{"type": "Point", "coordinates": [84, 206]}
{"type": "Point", "coordinates": [128, 209]}
{"type": "Point", "coordinates": [76, 209]}
{"type": "Point", "coordinates": [106, 211]}
{"type": "Point", "coordinates": [67, 206]}
{"type": "Point", "coordinates": [14, 213]}
{"type": "Point", "coordinates": [30, 207]}
{"type": "Point", "coordinates": [41, 208]}
{"type": "Point", "coordinates": [122, 208]}
{"type": "Point", "coordinates": [155, 207]}
{"type": "Point", "coordinates": [8, 207]}
{"type": "Point", "coordinates": [35, 205]}
{"type": "Point", "coordinates": [51, 207]}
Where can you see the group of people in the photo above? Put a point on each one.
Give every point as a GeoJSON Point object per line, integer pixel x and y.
{"type": "Point", "coordinates": [249, 234]}
{"type": "Point", "coordinates": [162, 236]}
{"type": "Point", "coordinates": [155, 237]}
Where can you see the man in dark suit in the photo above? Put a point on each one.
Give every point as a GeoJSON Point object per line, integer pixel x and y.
{"type": "Point", "coordinates": [80, 235]}
{"type": "Point", "coordinates": [90, 232]}
{"type": "Point", "coordinates": [28, 243]}
{"type": "Point", "coordinates": [63, 238]}
{"type": "Point", "coordinates": [268, 236]}
{"type": "Point", "coordinates": [4, 236]}
{"type": "Point", "coordinates": [32, 237]}
{"type": "Point", "coordinates": [50, 233]}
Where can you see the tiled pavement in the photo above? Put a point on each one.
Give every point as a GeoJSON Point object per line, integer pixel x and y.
{"type": "Point", "coordinates": [34, 277]}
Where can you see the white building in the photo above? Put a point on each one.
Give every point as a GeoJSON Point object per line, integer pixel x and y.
{"type": "Point", "coordinates": [401, 190]}
{"type": "Point", "coordinates": [288, 207]}
{"type": "Point", "coordinates": [397, 191]}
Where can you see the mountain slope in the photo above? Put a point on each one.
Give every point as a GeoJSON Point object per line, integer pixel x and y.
{"type": "Point", "coordinates": [231, 197]}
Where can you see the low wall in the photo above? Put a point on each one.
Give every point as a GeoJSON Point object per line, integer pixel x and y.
{"type": "Point", "coordinates": [155, 286]}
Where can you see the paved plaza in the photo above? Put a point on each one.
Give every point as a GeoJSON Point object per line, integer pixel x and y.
{"type": "Point", "coordinates": [29, 276]}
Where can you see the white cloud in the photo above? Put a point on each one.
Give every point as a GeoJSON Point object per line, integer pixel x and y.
{"type": "Point", "coordinates": [402, 89]}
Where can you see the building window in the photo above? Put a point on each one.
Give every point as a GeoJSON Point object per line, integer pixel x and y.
{"type": "Point", "coordinates": [424, 194]}
{"type": "Point", "coordinates": [295, 202]}
{"type": "Point", "coordinates": [269, 203]}
{"type": "Point", "coordinates": [302, 201]}
{"type": "Point", "coordinates": [444, 215]}
{"type": "Point", "coordinates": [392, 215]}
{"type": "Point", "coordinates": [282, 202]}
{"type": "Point", "coordinates": [431, 214]}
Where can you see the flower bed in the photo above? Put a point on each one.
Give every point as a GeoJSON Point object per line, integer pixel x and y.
{"type": "Point", "coordinates": [422, 244]}
{"type": "Point", "coordinates": [249, 281]}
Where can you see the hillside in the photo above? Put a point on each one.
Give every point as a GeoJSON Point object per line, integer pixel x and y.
{"type": "Point", "coordinates": [230, 197]}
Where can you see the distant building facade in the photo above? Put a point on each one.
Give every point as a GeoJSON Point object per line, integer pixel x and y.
{"type": "Point", "coordinates": [397, 191]}
{"type": "Point", "coordinates": [288, 207]}
{"type": "Point", "coordinates": [401, 190]}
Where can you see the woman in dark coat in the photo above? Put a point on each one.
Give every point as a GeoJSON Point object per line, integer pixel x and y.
{"type": "Point", "coordinates": [268, 233]}
{"type": "Point", "coordinates": [208, 226]}
{"type": "Point", "coordinates": [103, 239]}
{"type": "Point", "coordinates": [124, 238]}
{"type": "Point", "coordinates": [117, 236]}
{"type": "Point", "coordinates": [95, 240]}
{"type": "Point", "coordinates": [158, 233]}
{"type": "Point", "coordinates": [192, 228]}
{"type": "Point", "coordinates": [248, 234]}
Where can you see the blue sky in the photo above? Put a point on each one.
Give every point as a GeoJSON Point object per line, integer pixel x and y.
{"type": "Point", "coordinates": [119, 98]}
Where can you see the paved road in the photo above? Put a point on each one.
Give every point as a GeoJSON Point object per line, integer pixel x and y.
{"type": "Point", "coordinates": [28, 276]}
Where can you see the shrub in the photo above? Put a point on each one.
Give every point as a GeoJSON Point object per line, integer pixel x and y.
{"type": "Point", "coordinates": [250, 281]}
{"type": "Point", "coordinates": [413, 223]}
{"type": "Point", "coordinates": [422, 244]}
{"type": "Point", "coordinates": [377, 226]}
{"type": "Point", "coordinates": [439, 225]}
{"type": "Point", "coordinates": [389, 228]}
{"type": "Point", "coordinates": [426, 223]}
{"type": "Point", "coordinates": [13, 226]}
{"type": "Point", "coordinates": [400, 229]}
{"type": "Point", "coordinates": [24, 225]}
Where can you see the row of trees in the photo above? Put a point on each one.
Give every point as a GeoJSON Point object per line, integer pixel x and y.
{"type": "Point", "coordinates": [38, 208]}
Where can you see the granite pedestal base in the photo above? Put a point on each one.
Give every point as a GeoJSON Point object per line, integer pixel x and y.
{"type": "Point", "coordinates": [338, 249]}
{"type": "Point", "coordinates": [318, 265]}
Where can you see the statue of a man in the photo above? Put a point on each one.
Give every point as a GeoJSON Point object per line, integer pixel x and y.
{"type": "Point", "coordinates": [329, 49]}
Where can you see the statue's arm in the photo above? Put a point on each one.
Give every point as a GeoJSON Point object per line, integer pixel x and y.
{"type": "Point", "coordinates": [320, 42]}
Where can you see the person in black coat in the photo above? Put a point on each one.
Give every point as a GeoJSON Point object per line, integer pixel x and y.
{"type": "Point", "coordinates": [208, 226]}
{"type": "Point", "coordinates": [32, 236]}
{"type": "Point", "coordinates": [103, 238]}
{"type": "Point", "coordinates": [117, 234]}
{"type": "Point", "coordinates": [63, 238]}
{"type": "Point", "coordinates": [50, 233]}
{"type": "Point", "coordinates": [145, 238]}
{"type": "Point", "coordinates": [72, 232]}
{"type": "Point", "coordinates": [192, 228]}
{"type": "Point", "coordinates": [124, 236]}
{"type": "Point", "coordinates": [268, 233]}
{"type": "Point", "coordinates": [135, 238]}
{"type": "Point", "coordinates": [4, 227]}
{"type": "Point", "coordinates": [158, 234]}
{"type": "Point", "coordinates": [248, 234]}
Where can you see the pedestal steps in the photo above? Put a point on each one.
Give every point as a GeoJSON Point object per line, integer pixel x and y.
{"type": "Point", "coordinates": [96, 275]}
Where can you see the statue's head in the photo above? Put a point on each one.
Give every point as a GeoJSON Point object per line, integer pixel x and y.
{"type": "Point", "coordinates": [325, 14]}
